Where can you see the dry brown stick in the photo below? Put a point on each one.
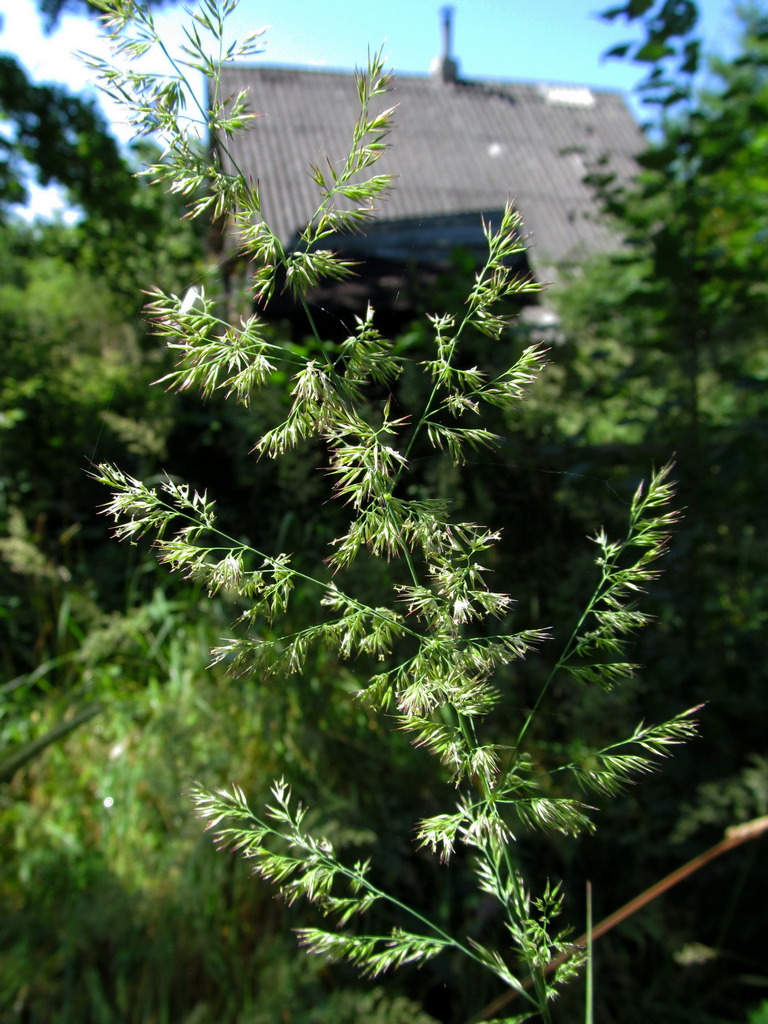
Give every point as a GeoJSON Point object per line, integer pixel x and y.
{"type": "Point", "coordinates": [734, 836]}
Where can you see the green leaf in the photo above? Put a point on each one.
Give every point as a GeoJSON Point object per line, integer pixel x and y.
{"type": "Point", "coordinates": [11, 763]}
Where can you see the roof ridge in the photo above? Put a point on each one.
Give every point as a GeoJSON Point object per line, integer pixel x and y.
{"type": "Point", "coordinates": [423, 78]}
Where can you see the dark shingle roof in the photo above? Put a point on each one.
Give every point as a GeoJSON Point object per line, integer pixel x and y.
{"type": "Point", "coordinates": [457, 148]}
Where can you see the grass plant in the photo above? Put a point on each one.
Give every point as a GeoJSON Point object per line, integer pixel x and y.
{"type": "Point", "coordinates": [434, 654]}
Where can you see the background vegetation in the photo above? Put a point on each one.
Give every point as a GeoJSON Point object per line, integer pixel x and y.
{"type": "Point", "coordinates": [115, 908]}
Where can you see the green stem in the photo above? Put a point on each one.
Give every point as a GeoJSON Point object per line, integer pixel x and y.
{"type": "Point", "coordinates": [589, 997]}
{"type": "Point", "coordinates": [239, 545]}
{"type": "Point", "coordinates": [568, 649]}
{"type": "Point", "coordinates": [358, 881]}
{"type": "Point", "coordinates": [393, 901]}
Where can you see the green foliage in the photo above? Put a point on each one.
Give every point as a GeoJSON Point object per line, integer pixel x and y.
{"type": "Point", "coordinates": [74, 376]}
{"type": "Point", "coordinates": [760, 1015]}
{"type": "Point", "coordinates": [82, 658]}
{"type": "Point", "coordinates": [102, 877]}
{"type": "Point", "coordinates": [75, 372]}
{"type": "Point", "coordinates": [125, 230]}
{"type": "Point", "coordinates": [52, 10]}
{"type": "Point", "coordinates": [115, 908]}
{"type": "Point", "coordinates": [739, 798]}
{"type": "Point", "coordinates": [420, 439]}
{"type": "Point", "coordinates": [63, 137]}
{"type": "Point", "coordinates": [664, 346]}
{"type": "Point", "coordinates": [669, 50]}
{"type": "Point", "coordinates": [434, 648]}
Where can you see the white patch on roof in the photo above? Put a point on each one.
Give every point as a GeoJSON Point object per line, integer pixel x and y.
{"type": "Point", "coordinates": [576, 160]}
{"type": "Point", "coordinates": [495, 149]}
{"type": "Point", "coordinates": [567, 95]}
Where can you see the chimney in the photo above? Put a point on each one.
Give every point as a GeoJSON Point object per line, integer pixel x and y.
{"type": "Point", "coordinates": [445, 68]}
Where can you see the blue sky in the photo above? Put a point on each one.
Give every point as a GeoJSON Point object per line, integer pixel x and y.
{"type": "Point", "coordinates": [542, 40]}
{"type": "Point", "coordinates": [530, 40]}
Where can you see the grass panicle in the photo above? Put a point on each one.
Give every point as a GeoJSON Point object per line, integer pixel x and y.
{"type": "Point", "coordinates": [435, 645]}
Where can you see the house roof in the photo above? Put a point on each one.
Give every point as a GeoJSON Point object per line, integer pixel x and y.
{"type": "Point", "coordinates": [458, 148]}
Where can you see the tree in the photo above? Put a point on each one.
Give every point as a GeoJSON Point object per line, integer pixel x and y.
{"type": "Point", "coordinates": [52, 10]}
{"type": "Point", "coordinates": [667, 349]}
{"type": "Point", "coordinates": [63, 138]}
